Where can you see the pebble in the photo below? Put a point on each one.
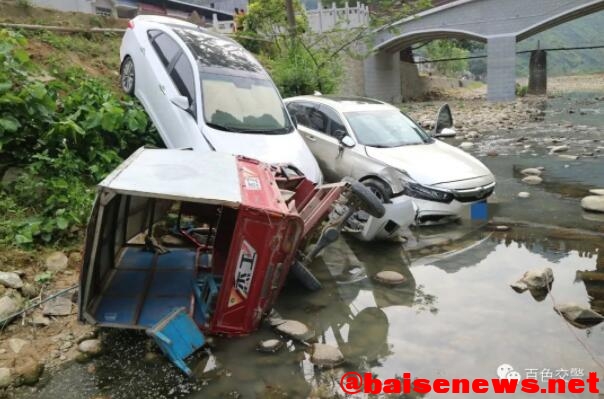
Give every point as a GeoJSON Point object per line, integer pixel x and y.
{"type": "Point", "coordinates": [58, 306]}
{"type": "Point", "coordinates": [90, 347]}
{"type": "Point", "coordinates": [531, 171]}
{"type": "Point", "coordinates": [568, 157]}
{"type": "Point", "coordinates": [28, 371]}
{"type": "Point", "coordinates": [579, 316]}
{"type": "Point", "coordinates": [295, 329]}
{"type": "Point", "coordinates": [534, 279]}
{"type": "Point", "coordinates": [269, 345]}
{"type": "Point", "coordinates": [56, 262]}
{"type": "Point", "coordinates": [597, 191]}
{"type": "Point", "coordinates": [532, 180]}
{"type": "Point", "coordinates": [524, 194]}
{"type": "Point", "coordinates": [389, 277]}
{"type": "Point", "coordinates": [10, 280]}
{"type": "Point", "coordinates": [492, 153]}
{"type": "Point", "coordinates": [39, 320]}
{"type": "Point", "coordinates": [75, 259]}
{"type": "Point", "coordinates": [8, 306]}
{"type": "Point", "coordinates": [5, 377]}
{"type": "Point", "coordinates": [558, 148]}
{"type": "Point", "coordinates": [16, 344]}
{"type": "Point", "coordinates": [593, 203]}
{"type": "Point", "coordinates": [29, 290]}
{"type": "Point", "coordinates": [65, 346]}
{"type": "Point", "coordinates": [466, 145]}
{"type": "Point", "coordinates": [326, 355]}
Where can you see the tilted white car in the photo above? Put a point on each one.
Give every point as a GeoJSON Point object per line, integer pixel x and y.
{"type": "Point", "coordinates": [206, 92]}
{"type": "Point", "coordinates": [377, 144]}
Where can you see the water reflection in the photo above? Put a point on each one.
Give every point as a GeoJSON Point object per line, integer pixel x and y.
{"type": "Point", "coordinates": [455, 317]}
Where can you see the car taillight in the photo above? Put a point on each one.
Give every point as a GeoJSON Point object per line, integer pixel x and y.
{"type": "Point", "coordinates": [130, 24]}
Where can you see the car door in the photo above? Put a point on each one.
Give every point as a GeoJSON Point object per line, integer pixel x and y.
{"type": "Point", "coordinates": [318, 125]}
{"type": "Point", "coordinates": [172, 76]}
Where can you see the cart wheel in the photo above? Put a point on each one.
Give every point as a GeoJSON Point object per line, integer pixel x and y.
{"type": "Point", "coordinates": [305, 276]}
{"type": "Point", "coordinates": [371, 203]}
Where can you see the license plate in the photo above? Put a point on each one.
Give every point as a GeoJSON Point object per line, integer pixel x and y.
{"type": "Point", "coordinates": [479, 211]}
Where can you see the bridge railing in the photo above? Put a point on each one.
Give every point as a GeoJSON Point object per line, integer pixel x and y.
{"type": "Point", "coordinates": [333, 18]}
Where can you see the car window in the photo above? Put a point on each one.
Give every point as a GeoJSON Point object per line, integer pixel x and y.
{"type": "Point", "coordinates": [182, 75]}
{"type": "Point", "coordinates": [301, 111]}
{"type": "Point", "coordinates": [335, 127]}
{"type": "Point", "coordinates": [165, 47]}
{"type": "Point", "coordinates": [214, 51]}
{"type": "Point", "coordinates": [385, 128]}
{"type": "Point", "coordinates": [317, 120]}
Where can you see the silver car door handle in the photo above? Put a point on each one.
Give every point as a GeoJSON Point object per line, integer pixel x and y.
{"type": "Point", "coordinates": [310, 138]}
{"type": "Point", "coordinates": [162, 88]}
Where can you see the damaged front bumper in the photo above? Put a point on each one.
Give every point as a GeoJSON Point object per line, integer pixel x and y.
{"type": "Point", "coordinates": [400, 213]}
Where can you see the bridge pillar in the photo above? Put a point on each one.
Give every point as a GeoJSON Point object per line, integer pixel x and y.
{"type": "Point", "coordinates": [382, 72]}
{"type": "Point", "coordinates": [501, 68]}
{"type": "Point", "coordinates": [537, 83]}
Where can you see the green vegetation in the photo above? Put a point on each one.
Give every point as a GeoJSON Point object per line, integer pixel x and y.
{"type": "Point", "coordinates": [447, 49]}
{"type": "Point", "coordinates": [583, 31]}
{"type": "Point", "coordinates": [64, 136]}
{"type": "Point", "coordinates": [296, 65]}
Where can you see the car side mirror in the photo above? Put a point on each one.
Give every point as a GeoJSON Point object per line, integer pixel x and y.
{"type": "Point", "coordinates": [444, 123]}
{"type": "Point", "coordinates": [181, 102]}
{"type": "Point", "coordinates": [347, 141]}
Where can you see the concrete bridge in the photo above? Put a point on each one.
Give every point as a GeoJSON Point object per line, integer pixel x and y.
{"type": "Point", "coordinates": [498, 23]}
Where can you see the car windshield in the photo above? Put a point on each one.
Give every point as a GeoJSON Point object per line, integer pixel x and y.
{"type": "Point", "coordinates": [385, 128]}
{"type": "Point", "coordinates": [243, 104]}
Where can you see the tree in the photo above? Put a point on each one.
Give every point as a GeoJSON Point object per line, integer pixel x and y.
{"type": "Point", "coordinates": [445, 49]}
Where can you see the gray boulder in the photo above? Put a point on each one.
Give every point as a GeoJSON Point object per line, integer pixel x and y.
{"type": "Point", "coordinates": [91, 347]}
{"type": "Point", "coordinates": [578, 316]}
{"type": "Point", "coordinates": [531, 171]}
{"type": "Point", "coordinates": [5, 377]}
{"type": "Point", "coordinates": [593, 203]}
{"type": "Point", "coordinates": [534, 280]}
{"type": "Point", "coordinates": [57, 261]}
{"type": "Point", "coordinates": [532, 180]}
{"type": "Point", "coordinates": [326, 355]}
{"type": "Point", "coordinates": [10, 280]}
{"type": "Point", "coordinates": [295, 329]}
{"type": "Point", "coordinates": [8, 306]}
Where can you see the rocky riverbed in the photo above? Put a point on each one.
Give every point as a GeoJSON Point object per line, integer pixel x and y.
{"type": "Point", "coordinates": [555, 142]}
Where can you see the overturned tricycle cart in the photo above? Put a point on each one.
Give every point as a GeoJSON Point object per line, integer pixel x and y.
{"type": "Point", "coordinates": [182, 243]}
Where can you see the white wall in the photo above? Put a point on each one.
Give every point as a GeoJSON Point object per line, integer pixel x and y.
{"type": "Point", "coordinates": [85, 6]}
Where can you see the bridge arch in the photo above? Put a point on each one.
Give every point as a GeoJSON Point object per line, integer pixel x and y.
{"type": "Point", "coordinates": [405, 40]}
{"type": "Point", "coordinates": [565, 16]}
{"type": "Point", "coordinates": [501, 24]}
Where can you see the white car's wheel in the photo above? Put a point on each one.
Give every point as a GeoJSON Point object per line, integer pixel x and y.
{"type": "Point", "coordinates": [127, 76]}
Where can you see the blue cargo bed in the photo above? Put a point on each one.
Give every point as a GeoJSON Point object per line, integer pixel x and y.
{"type": "Point", "coordinates": [146, 287]}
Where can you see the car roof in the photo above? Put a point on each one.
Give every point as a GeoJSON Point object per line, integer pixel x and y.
{"type": "Point", "coordinates": [344, 103]}
{"type": "Point", "coordinates": [160, 19]}
{"type": "Point", "coordinates": [208, 48]}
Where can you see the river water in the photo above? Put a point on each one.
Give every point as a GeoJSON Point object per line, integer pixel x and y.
{"type": "Point", "coordinates": [456, 317]}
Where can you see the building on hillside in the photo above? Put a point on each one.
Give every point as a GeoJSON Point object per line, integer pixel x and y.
{"type": "Point", "coordinates": [131, 8]}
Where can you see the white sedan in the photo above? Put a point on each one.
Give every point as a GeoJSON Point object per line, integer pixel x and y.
{"type": "Point", "coordinates": [206, 92]}
{"type": "Point", "coordinates": [377, 144]}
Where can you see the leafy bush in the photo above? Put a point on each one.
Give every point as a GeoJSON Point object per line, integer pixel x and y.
{"type": "Point", "coordinates": [446, 49]}
{"type": "Point", "coordinates": [298, 72]}
{"type": "Point", "coordinates": [521, 90]}
{"type": "Point", "coordinates": [66, 135]}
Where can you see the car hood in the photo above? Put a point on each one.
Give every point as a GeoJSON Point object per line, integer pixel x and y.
{"type": "Point", "coordinates": [287, 148]}
{"type": "Point", "coordinates": [435, 163]}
